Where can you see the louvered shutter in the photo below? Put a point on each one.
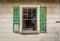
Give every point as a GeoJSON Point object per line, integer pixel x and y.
{"type": "Point", "coordinates": [16, 20]}
{"type": "Point", "coordinates": [42, 19]}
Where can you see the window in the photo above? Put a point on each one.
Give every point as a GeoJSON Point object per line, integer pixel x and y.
{"type": "Point", "coordinates": [29, 19]}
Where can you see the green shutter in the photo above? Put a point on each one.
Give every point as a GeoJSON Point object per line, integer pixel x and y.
{"type": "Point", "coordinates": [16, 20]}
{"type": "Point", "coordinates": [42, 19]}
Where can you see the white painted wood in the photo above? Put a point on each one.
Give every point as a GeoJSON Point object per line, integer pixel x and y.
{"type": "Point", "coordinates": [38, 16]}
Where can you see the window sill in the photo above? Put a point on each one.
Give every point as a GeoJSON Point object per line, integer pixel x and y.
{"type": "Point", "coordinates": [32, 32]}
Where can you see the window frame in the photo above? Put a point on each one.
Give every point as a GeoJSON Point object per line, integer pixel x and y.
{"type": "Point", "coordinates": [38, 17]}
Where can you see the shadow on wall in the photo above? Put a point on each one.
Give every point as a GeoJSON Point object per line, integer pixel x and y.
{"type": "Point", "coordinates": [30, 1]}
{"type": "Point", "coordinates": [28, 33]}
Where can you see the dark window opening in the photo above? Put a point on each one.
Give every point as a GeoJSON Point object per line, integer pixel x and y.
{"type": "Point", "coordinates": [29, 21]}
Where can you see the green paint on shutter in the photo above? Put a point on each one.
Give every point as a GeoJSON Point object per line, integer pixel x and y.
{"type": "Point", "coordinates": [42, 19]}
{"type": "Point", "coordinates": [16, 18]}
{"type": "Point", "coordinates": [16, 12]}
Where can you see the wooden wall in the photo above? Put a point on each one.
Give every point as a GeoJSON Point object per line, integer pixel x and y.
{"type": "Point", "coordinates": [6, 24]}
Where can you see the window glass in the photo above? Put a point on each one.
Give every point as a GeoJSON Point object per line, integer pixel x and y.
{"type": "Point", "coordinates": [29, 19]}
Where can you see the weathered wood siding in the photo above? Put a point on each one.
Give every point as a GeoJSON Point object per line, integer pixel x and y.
{"type": "Point", "coordinates": [6, 24]}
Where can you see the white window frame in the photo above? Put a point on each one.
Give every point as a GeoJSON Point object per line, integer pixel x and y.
{"type": "Point", "coordinates": [38, 16]}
